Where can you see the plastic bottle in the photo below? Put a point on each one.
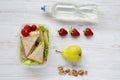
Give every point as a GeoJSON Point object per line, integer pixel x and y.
{"type": "Point", "coordinates": [72, 12]}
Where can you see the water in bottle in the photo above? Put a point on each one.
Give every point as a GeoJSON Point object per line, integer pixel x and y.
{"type": "Point", "coordinates": [72, 12]}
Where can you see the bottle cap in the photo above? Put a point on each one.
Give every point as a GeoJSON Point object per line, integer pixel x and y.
{"type": "Point", "coordinates": [43, 8]}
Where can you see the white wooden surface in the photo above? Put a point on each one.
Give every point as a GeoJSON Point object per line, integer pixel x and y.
{"type": "Point", "coordinates": [101, 53]}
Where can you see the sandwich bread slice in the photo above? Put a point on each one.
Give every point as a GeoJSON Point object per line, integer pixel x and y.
{"type": "Point", "coordinates": [29, 43]}
{"type": "Point", "coordinates": [38, 53]}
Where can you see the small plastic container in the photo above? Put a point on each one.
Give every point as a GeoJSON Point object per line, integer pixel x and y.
{"type": "Point", "coordinates": [35, 64]}
{"type": "Point", "coordinates": [66, 11]}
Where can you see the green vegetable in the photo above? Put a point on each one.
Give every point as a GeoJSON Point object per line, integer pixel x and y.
{"type": "Point", "coordinates": [28, 62]}
{"type": "Point", "coordinates": [46, 39]}
{"type": "Point", "coordinates": [46, 52]}
{"type": "Point", "coordinates": [41, 27]}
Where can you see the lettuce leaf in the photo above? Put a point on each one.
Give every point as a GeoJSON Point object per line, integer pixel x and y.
{"type": "Point", "coordinates": [46, 39]}
{"type": "Point", "coordinates": [42, 27]}
{"type": "Point", "coordinates": [46, 51]}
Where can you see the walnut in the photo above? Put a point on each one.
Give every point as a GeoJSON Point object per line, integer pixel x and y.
{"type": "Point", "coordinates": [61, 72]}
{"type": "Point", "coordinates": [67, 71]}
{"type": "Point", "coordinates": [60, 68]}
{"type": "Point", "coordinates": [74, 72]}
{"type": "Point", "coordinates": [81, 72]}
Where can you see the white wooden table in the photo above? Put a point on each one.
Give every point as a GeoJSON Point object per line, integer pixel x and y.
{"type": "Point", "coordinates": [101, 53]}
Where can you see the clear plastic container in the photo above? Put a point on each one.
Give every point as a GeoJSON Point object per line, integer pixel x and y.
{"type": "Point", "coordinates": [35, 64]}
{"type": "Point", "coordinates": [66, 11]}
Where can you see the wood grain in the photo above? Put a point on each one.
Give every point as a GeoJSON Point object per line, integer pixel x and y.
{"type": "Point", "coordinates": [100, 53]}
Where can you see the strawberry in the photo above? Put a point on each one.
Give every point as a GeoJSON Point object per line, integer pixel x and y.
{"type": "Point", "coordinates": [88, 32]}
{"type": "Point", "coordinates": [62, 32]}
{"type": "Point", "coordinates": [33, 27]}
{"type": "Point", "coordinates": [27, 27]}
{"type": "Point", "coordinates": [25, 32]}
{"type": "Point", "coordinates": [74, 32]}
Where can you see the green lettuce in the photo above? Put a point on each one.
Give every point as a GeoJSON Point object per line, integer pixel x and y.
{"type": "Point", "coordinates": [46, 39]}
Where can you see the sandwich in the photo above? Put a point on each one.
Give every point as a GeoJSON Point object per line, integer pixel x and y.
{"type": "Point", "coordinates": [34, 47]}
{"type": "Point", "coordinates": [28, 43]}
{"type": "Point", "coordinates": [38, 53]}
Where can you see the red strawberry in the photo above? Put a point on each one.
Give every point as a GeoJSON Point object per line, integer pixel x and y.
{"type": "Point", "coordinates": [25, 32]}
{"type": "Point", "coordinates": [88, 32]}
{"type": "Point", "coordinates": [74, 32]}
{"type": "Point", "coordinates": [33, 27]}
{"type": "Point", "coordinates": [27, 27]}
{"type": "Point", "coordinates": [62, 32]}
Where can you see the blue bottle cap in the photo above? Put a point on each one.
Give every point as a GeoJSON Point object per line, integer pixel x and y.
{"type": "Point", "coordinates": [43, 8]}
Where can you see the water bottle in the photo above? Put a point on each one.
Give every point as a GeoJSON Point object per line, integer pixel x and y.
{"type": "Point", "coordinates": [72, 12]}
